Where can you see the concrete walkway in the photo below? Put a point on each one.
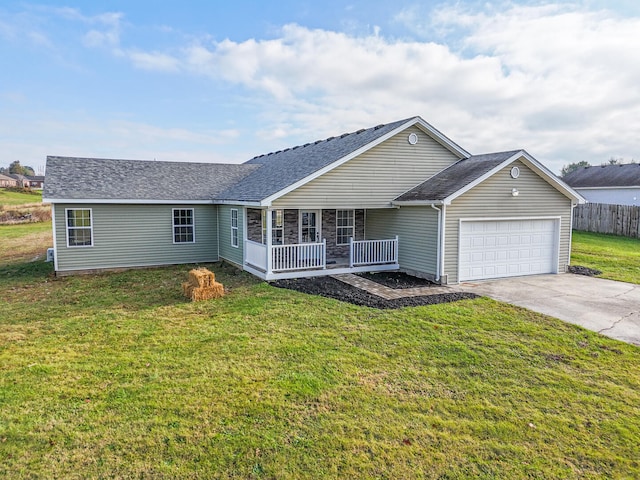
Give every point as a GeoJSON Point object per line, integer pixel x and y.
{"type": "Point", "coordinates": [604, 306]}
{"type": "Point", "coordinates": [390, 293]}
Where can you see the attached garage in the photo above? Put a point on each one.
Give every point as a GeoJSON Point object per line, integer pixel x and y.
{"type": "Point", "coordinates": [499, 248]}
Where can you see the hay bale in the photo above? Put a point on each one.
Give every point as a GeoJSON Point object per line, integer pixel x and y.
{"type": "Point", "coordinates": [202, 285]}
{"type": "Point", "coordinates": [186, 289]}
{"type": "Point", "coordinates": [207, 293]}
{"type": "Point", "coordinates": [201, 277]}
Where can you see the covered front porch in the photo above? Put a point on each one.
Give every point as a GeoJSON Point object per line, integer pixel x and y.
{"type": "Point", "coordinates": [293, 243]}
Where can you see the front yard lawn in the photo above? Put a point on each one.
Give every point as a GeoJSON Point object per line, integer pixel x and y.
{"type": "Point", "coordinates": [117, 375]}
{"type": "Point", "coordinates": [617, 257]}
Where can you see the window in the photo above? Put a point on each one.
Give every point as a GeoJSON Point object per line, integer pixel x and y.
{"type": "Point", "coordinates": [234, 227]}
{"type": "Point", "coordinates": [345, 222]}
{"type": "Point", "coordinates": [277, 227]}
{"type": "Point", "coordinates": [79, 227]}
{"type": "Point", "coordinates": [183, 228]}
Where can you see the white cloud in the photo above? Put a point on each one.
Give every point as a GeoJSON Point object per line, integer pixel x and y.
{"type": "Point", "coordinates": [154, 61]}
{"type": "Point", "coordinates": [558, 80]}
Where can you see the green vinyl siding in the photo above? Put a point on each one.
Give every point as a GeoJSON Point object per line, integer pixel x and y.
{"type": "Point", "coordinates": [227, 251]}
{"type": "Point", "coordinates": [135, 236]}
{"type": "Point", "coordinates": [417, 230]}
{"type": "Point", "coordinates": [375, 178]}
{"type": "Point", "coordinates": [492, 199]}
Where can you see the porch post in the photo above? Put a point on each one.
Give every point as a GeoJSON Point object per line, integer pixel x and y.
{"type": "Point", "coordinates": [324, 253]}
{"type": "Point", "coordinates": [350, 252]}
{"type": "Point", "coordinates": [396, 250]}
{"type": "Point", "coordinates": [268, 241]}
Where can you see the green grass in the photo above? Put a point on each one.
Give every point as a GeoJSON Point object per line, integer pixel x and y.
{"type": "Point", "coordinates": [24, 241]}
{"type": "Point", "coordinates": [117, 375]}
{"type": "Point", "coordinates": [617, 257]}
{"type": "Point", "coordinates": [9, 197]}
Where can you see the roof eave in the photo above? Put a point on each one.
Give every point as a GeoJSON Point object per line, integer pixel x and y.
{"type": "Point", "coordinates": [415, 203]}
{"type": "Point", "coordinates": [129, 201]}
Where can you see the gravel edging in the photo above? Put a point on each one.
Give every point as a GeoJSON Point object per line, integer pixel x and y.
{"type": "Point", "coordinates": [580, 270]}
{"type": "Point", "coordinates": [326, 286]}
{"type": "Point", "coordinates": [397, 280]}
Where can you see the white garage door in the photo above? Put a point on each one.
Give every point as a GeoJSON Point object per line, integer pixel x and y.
{"type": "Point", "coordinates": [507, 248]}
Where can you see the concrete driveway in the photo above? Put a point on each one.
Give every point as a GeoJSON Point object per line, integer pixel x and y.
{"type": "Point", "coordinates": [604, 306]}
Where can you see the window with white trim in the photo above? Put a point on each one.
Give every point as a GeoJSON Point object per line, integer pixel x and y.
{"type": "Point", "coordinates": [234, 227]}
{"type": "Point", "coordinates": [277, 227]}
{"type": "Point", "coordinates": [345, 226]}
{"type": "Point", "coordinates": [79, 227]}
{"type": "Point", "coordinates": [183, 225]}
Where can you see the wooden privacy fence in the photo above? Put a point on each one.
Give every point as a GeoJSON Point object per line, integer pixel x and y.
{"type": "Point", "coordinates": [621, 220]}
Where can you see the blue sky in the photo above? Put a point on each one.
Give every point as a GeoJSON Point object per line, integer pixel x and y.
{"type": "Point", "coordinates": [224, 81]}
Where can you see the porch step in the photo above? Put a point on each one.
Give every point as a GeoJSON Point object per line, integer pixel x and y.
{"type": "Point", "coordinates": [390, 293]}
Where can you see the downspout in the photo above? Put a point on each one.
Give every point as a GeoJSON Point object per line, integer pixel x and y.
{"type": "Point", "coordinates": [573, 206]}
{"type": "Point", "coordinates": [55, 238]}
{"type": "Point", "coordinates": [439, 245]}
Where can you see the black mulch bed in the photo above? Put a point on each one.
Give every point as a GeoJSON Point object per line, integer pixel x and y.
{"type": "Point", "coordinates": [397, 280]}
{"type": "Point", "coordinates": [332, 288]}
{"type": "Point", "coordinates": [580, 270]}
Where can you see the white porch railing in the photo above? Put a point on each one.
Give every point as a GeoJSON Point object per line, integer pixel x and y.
{"type": "Point", "coordinates": [373, 252]}
{"type": "Point", "coordinates": [302, 256]}
{"type": "Point", "coordinates": [313, 256]}
{"type": "Point", "coordinates": [256, 254]}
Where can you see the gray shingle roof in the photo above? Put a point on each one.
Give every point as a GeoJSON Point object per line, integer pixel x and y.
{"type": "Point", "coordinates": [455, 177]}
{"type": "Point", "coordinates": [108, 179]}
{"type": "Point", "coordinates": [284, 168]}
{"type": "Point", "coordinates": [627, 175]}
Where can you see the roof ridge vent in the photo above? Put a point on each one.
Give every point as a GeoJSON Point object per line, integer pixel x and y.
{"type": "Point", "coordinates": [344, 135]}
{"type": "Point", "coordinates": [377, 127]}
{"type": "Point", "coordinates": [306, 145]}
{"type": "Point", "coordinates": [317, 142]}
{"type": "Point", "coordinates": [330, 138]}
{"type": "Point", "coordinates": [360, 131]}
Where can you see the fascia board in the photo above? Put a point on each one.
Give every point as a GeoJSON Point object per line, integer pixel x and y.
{"type": "Point", "coordinates": [431, 131]}
{"type": "Point", "coordinates": [530, 162]}
{"type": "Point", "coordinates": [628, 187]}
{"type": "Point", "coordinates": [244, 203]}
{"type": "Point", "coordinates": [553, 179]}
{"type": "Point", "coordinates": [416, 203]}
{"type": "Point", "coordinates": [268, 200]}
{"type": "Point", "coordinates": [442, 139]}
{"type": "Point", "coordinates": [126, 201]}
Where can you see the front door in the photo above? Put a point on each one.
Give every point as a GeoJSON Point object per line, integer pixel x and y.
{"type": "Point", "coordinates": [309, 226]}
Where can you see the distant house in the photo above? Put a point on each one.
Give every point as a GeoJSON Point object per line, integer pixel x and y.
{"type": "Point", "coordinates": [400, 196]}
{"type": "Point", "coordinates": [613, 184]}
{"type": "Point", "coordinates": [36, 182]}
{"type": "Point", "coordinates": [7, 181]}
{"type": "Point", "coordinates": [21, 180]}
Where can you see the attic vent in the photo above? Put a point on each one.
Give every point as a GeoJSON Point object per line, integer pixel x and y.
{"type": "Point", "coordinates": [286, 149]}
{"type": "Point", "coordinates": [413, 139]}
{"type": "Point", "coordinates": [297, 146]}
{"type": "Point", "coordinates": [330, 138]}
{"type": "Point", "coordinates": [344, 135]}
{"type": "Point", "coordinates": [306, 145]}
{"type": "Point", "coordinates": [378, 127]}
{"type": "Point", "coordinates": [360, 131]}
{"type": "Point", "coordinates": [279, 151]}
{"type": "Point", "coordinates": [317, 142]}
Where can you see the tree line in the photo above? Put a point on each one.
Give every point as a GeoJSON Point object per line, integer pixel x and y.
{"type": "Point", "coordinates": [16, 168]}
